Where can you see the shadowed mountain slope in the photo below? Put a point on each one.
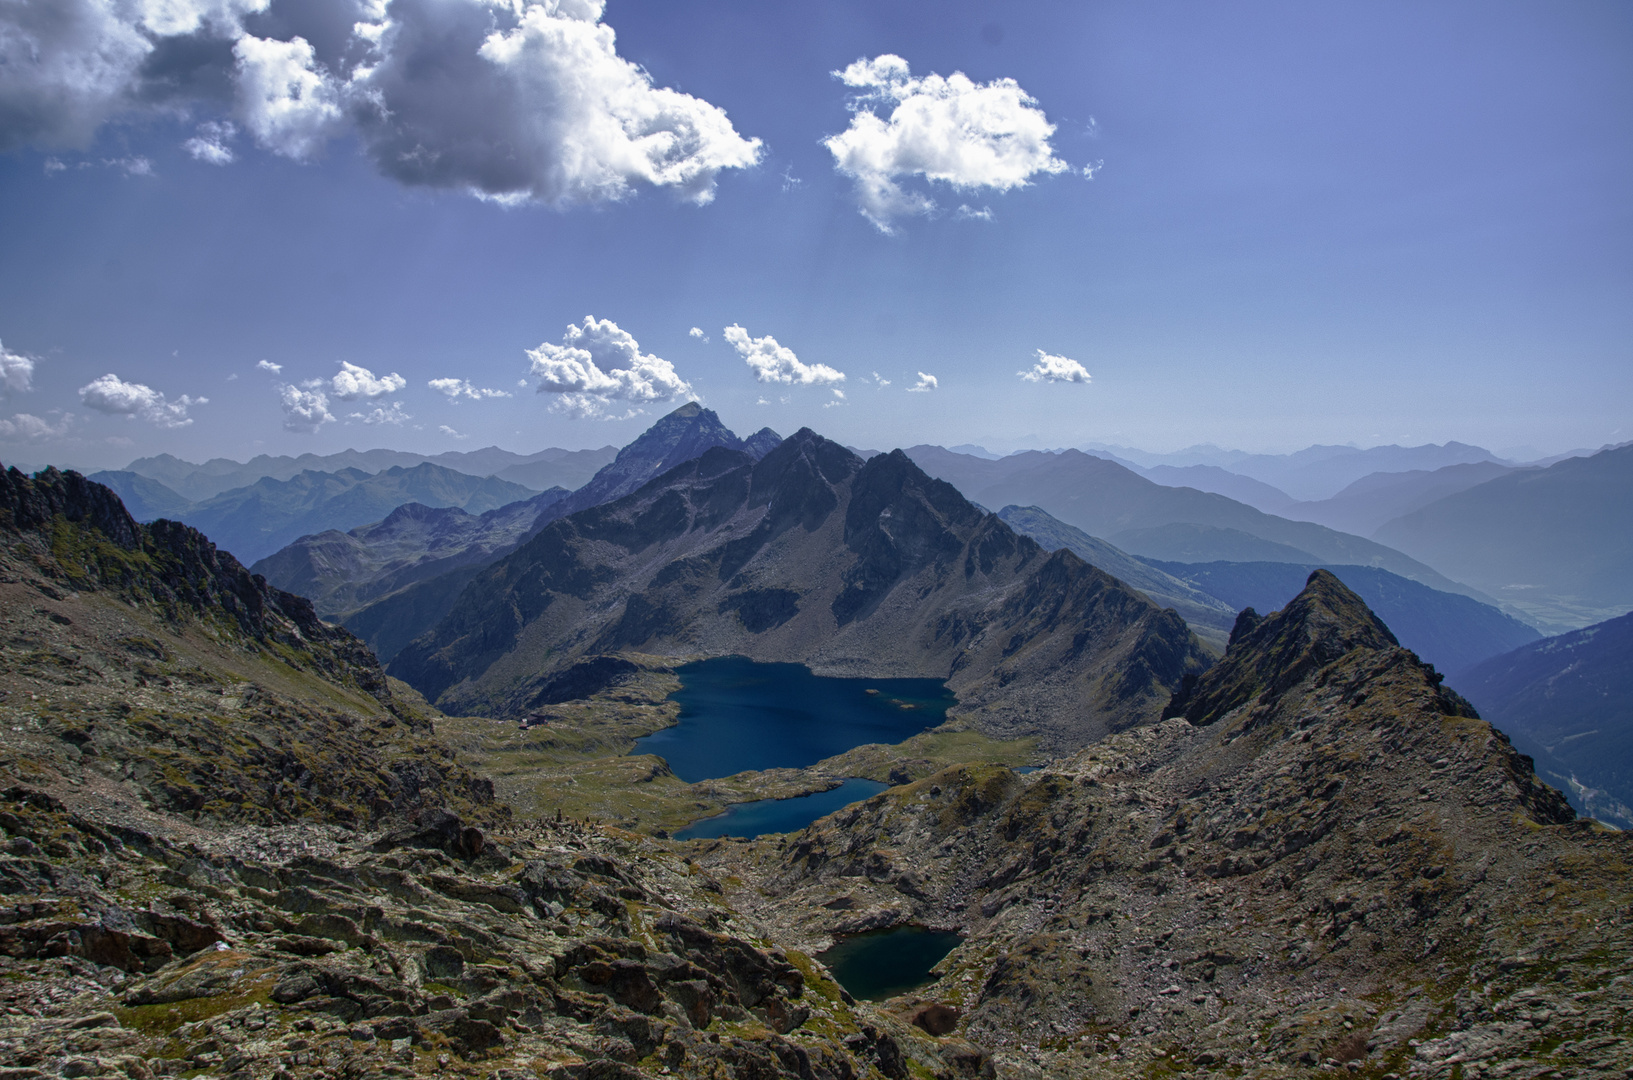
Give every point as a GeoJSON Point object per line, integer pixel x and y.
{"type": "Point", "coordinates": [1448, 630]}
{"type": "Point", "coordinates": [1555, 543]}
{"type": "Point", "coordinates": [810, 555]}
{"type": "Point", "coordinates": [146, 499]}
{"type": "Point", "coordinates": [1143, 518]}
{"type": "Point", "coordinates": [1337, 861]}
{"type": "Point", "coordinates": [190, 684]}
{"type": "Point", "coordinates": [420, 595]}
{"type": "Point", "coordinates": [1568, 702]}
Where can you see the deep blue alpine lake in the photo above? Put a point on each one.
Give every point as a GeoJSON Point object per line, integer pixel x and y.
{"type": "Point", "coordinates": [752, 819]}
{"type": "Point", "coordinates": [883, 963]}
{"type": "Point", "coordinates": [736, 714]}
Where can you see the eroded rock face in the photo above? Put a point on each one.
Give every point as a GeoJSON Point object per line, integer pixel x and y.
{"type": "Point", "coordinates": [1337, 861]}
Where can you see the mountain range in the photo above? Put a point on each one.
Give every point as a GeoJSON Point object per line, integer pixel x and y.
{"type": "Point", "coordinates": [547, 468]}
{"type": "Point", "coordinates": [256, 520]}
{"type": "Point", "coordinates": [1147, 519]}
{"type": "Point", "coordinates": [389, 589]}
{"type": "Point", "coordinates": [1314, 473]}
{"type": "Point", "coordinates": [812, 554]}
{"type": "Point", "coordinates": [1554, 543]}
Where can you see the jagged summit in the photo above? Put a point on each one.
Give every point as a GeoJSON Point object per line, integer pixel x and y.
{"type": "Point", "coordinates": [1268, 654]}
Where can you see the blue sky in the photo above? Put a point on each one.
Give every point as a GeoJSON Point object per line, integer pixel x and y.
{"type": "Point", "coordinates": [1259, 225]}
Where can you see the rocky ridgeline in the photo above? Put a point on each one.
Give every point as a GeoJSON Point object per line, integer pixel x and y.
{"type": "Point", "coordinates": [566, 951]}
{"type": "Point", "coordinates": [1334, 863]}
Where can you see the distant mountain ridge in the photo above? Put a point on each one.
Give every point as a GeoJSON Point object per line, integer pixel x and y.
{"type": "Point", "coordinates": [814, 556]}
{"type": "Point", "coordinates": [544, 469]}
{"type": "Point", "coordinates": [1554, 543]}
{"type": "Point", "coordinates": [255, 521]}
{"type": "Point", "coordinates": [1316, 472]}
{"type": "Point", "coordinates": [1144, 518]}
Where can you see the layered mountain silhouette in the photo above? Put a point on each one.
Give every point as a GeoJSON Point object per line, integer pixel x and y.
{"type": "Point", "coordinates": [1555, 543]}
{"type": "Point", "coordinates": [255, 521]}
{"type": "Point", "coordinates": [812, 555]}
{"type": "Point", "coordinates": [1208, 615]}
{"type": "Point", "coordinates": [1568, 702]}
{"type": "Point", "coordinates": [388, 588]}
{"type": "Point", "coordinates": [552, 467]}
{"type": "Point", "coordinates": [1448, 630]}
{"type": "Point", "coordinates": [1178, 524]}
{"type": "Point", "coordinates": [1314, 473]}
{"type": "Point", "coordinates": [1375, 499]}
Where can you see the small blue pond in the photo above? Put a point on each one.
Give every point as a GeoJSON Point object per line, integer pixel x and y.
{"type": "Point", "coordinates": [883, 963]}
{"type": "Point", "coordinates": [752, 819]}
{"type": "Point", "coordinates": [736, 715]}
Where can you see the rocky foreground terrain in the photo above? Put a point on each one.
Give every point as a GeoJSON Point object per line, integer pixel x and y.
{"type": "Point", "coordinates": [229, 850]}
{"type": "Point", "coordinates": [232, 848]}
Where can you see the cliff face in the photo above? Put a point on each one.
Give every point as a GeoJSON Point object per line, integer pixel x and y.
{"type": "Point", "coordinates": [812, 555]}
{"type": "Point", "coordinates": [139, 656]}
{"type": "Point", "coordinates": [1336, 857]}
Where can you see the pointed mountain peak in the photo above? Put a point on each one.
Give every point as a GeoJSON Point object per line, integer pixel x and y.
{"type": "Point", "coordinates": [1270, 654]}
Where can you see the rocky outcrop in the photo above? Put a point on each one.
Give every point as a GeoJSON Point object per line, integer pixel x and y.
{"type": "Point", "coordinates": [311, 952]}
{"type": "Point", "coordinates": [811, 555]}
{"type": "Point", "coordinates": [1333, 860]}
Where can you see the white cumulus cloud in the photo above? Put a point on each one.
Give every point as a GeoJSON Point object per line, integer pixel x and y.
{"type": "Point", "coordinates": [454, 389]}
{"type": "Point", "coordinates": [774, 363]}
{"type": "Point", "coordinates": [26, 427]}
{"type": "Point", "coordinates": [598, 363]}
{"type": "Point", "coordinates": [268, 365]}
{"type": "Point", "coordinates": [697, 332]}
{"type": "Point", "coordinates": [1052, 368]}
{"type": "Point", "coordinates": [304, 410]}
{"type": "Point", "coordinates": [949, 129]}
{"type": "Point", "coordinates": [16, 372]}
{"type": "Point", "coordinates": [354, 383]}
{"type": "Point", "coordinates": [515, 100]}
{"type": "Point", "coordinates": [451, 433]}
{"type": "Point", "coordinates": [926, 383]}
{"type": "Point", "coordinates": [112, 395]}
{"type": "Point", "coordinates": [210, 145]}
